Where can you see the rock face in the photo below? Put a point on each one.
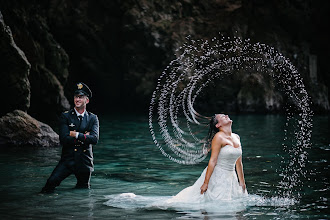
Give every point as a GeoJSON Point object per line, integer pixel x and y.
{"type": "Point", "coordinates": [19, 129]}
{"type": "Point", "coordinates": [119, 49]}
{"type": "Point", "coordinates": [48, 62]}
{"type": "Point", "coordinates": [14, 83]}
{"type": "Point", "coordinates": [258, 95]}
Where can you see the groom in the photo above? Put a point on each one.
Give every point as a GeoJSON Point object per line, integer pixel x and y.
{"type": "Point", "coordinates": [79, 129]}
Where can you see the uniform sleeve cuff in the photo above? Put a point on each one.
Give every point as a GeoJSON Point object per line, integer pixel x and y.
{"type": "Point", "coordinates": [77, 134]}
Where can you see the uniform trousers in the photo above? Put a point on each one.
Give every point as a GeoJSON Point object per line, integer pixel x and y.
{"type": "Point", "coordinates": [62, 171]}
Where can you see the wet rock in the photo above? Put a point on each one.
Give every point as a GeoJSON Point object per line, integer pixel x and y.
{"type": "Point", "coordinates": [20, 129]}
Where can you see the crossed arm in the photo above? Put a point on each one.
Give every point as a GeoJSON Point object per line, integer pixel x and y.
{"type": "Point", "coordinates": [69, 137]}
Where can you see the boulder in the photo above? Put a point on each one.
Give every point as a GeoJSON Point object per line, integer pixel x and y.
{"type": "Point", "coordinates": [20, 129]}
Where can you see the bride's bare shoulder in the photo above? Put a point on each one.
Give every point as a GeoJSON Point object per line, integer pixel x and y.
{"type": "Point", "coordinates": [237, 136]}
{"type": "Point", "coordinates": [220, 138]}
{"type": "Point", "coordinates": [219, 135]}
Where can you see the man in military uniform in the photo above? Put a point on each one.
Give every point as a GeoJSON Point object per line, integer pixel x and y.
{"type": "Point", "coordinates": [79, 129]}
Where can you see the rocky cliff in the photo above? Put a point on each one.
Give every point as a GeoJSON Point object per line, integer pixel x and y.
{"type": "Point", "coordinates": [119, 48]}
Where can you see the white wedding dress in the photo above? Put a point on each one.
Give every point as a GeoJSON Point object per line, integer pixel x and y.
{"type": "Point", "coordinates": [223, 183]}
{"type": "Point", "coordinates": [223, 193]}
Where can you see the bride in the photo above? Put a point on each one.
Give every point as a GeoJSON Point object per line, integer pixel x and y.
{"type": "Point", "coordinates": [219, 180]}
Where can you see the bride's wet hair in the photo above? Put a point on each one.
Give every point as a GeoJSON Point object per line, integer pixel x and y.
{"type": "Point", "coordinates": [212, 130]}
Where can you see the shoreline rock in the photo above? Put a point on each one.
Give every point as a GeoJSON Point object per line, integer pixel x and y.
{"type": "Point", "coordinates": [20, 129]}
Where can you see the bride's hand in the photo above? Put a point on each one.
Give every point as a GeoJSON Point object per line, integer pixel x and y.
{"type": "Point", "coordinates": [243, 187]}
{"type": "Point", "coordinates": [204, 188]}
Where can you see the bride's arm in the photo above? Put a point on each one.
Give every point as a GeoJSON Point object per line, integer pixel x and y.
{"type": "Point", "coordinates": [240, 173]}
{"type": "Point", "coordinates": [216, 146]}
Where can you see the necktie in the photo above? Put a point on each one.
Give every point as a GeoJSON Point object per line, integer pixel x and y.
{"type": "Point", "coordinates": [80, 120]}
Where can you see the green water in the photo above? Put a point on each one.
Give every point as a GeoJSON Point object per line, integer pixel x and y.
{"type": "Point", "coordinates": [126, 160]}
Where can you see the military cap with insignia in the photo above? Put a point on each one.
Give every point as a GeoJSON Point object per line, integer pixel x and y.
{"type": "Point", "coordinates": [82, 89]}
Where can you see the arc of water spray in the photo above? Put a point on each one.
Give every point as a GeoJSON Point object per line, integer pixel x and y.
{"type": "Point", "coordinates": [191, 72]}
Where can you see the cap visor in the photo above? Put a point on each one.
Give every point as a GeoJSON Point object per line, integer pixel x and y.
{"type": "Point", "coordinates": [79, 93]}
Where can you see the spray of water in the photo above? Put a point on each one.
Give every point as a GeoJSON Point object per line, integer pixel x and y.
{"type": "Point", "coordinates": [173, 118]}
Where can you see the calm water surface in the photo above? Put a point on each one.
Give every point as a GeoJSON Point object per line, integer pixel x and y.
{"type": "Point", "coordinates": [126, 160]}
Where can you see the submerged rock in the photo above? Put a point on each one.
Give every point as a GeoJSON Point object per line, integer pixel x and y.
{"type": "Point", "coordinates": [20, 129]}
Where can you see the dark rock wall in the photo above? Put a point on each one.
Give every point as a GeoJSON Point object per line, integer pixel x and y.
{"type": "Point", "coordinates": [15, 68]}
{"type": "Point", "coordinates": [119, 48]}
{"type": "Point", "coordinates": [48, 60]}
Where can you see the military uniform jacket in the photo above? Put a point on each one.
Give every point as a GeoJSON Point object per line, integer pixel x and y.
{"type": "Point", "coordinates": [78, 152]}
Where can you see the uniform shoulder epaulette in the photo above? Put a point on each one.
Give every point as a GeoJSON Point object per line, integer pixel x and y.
{"type": "Point", "coordinates": [67, 112]}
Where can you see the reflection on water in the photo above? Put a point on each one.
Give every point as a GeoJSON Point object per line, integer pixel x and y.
{"type": "Point", "coordinates": [126, 161]}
